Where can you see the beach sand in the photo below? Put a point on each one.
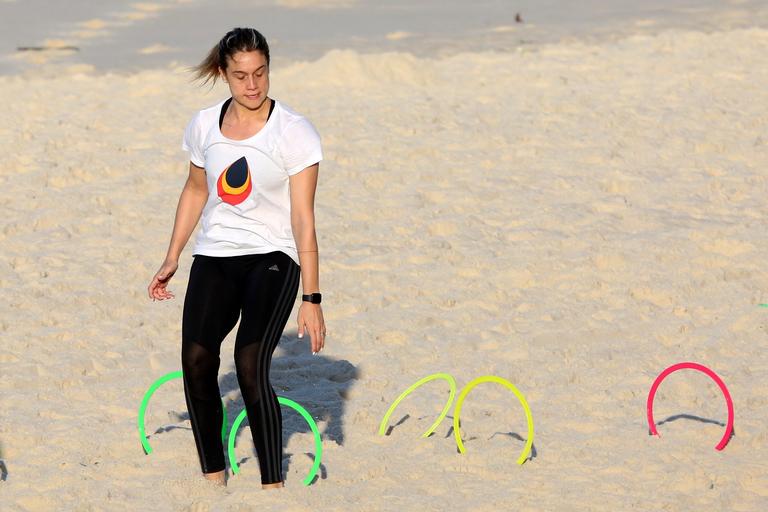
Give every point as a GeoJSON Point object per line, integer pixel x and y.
{"type": "Point", "coordinates": [572, 217]}
{"type": "Point", "coordinates": [127, 36]}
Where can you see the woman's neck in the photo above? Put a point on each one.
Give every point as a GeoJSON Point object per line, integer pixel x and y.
{"type": "Point", "coordinates": [242, 114]}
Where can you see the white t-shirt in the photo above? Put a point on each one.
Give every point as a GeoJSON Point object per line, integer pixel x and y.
{"type": "Point", "coordinates": [249, 206]}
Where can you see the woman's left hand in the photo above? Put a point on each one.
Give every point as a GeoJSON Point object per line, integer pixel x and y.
{"type": "Point", "coordinates": [311, 321]}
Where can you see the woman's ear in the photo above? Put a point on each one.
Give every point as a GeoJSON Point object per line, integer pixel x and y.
{"type": "Point", "coordinates": [223, 75]}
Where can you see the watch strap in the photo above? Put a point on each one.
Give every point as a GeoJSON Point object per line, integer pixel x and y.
{"type": "Point", "coordinates": [314, 298]}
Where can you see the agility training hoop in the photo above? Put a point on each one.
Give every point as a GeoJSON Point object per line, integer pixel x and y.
{"type": "Point", "coordinates": [430, 430]}
{"type": "Point", "coordinates": [528, 416]}
{"type": "Point", "coordinates": [693, 366]}
{"type": "Point", "coordinates": [296, 407]}
{"type": "Point", "coordinates": [145, 402]}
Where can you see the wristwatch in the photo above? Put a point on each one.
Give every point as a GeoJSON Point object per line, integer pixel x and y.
{"type": "Point", "coordinates": [314, 298]}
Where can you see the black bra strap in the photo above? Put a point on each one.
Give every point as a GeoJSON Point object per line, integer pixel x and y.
{"type": "Point", "coordinates": [224, 111]}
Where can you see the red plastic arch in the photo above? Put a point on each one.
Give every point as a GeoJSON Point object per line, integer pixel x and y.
{"type": "Point", "coordinates": [713, 376]}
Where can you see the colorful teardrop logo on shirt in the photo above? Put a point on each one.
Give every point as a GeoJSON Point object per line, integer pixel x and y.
{"type": "Point", "coordinates": [234, 183]}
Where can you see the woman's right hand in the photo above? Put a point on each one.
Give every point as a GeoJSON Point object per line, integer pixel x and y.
{"type": "Point", "coordinates": [157, 288]}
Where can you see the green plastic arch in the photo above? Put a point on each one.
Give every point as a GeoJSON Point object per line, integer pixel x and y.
{"type": "Point", "coordinates": [145, 402]}
{"type": "Point", "coordinates": [430, 430]}
{"type": "Point", "coordinates": [492, 378]}
{"type": "Point", "coordinates": [296, 407]}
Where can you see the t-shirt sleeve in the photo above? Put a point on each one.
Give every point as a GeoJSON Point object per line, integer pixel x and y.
{"type": "Point", "coordinates": [193, 141]}
{"type": "Point", "coordinates": [300, 146]}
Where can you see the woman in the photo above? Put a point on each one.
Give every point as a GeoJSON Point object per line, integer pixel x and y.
{"type": "Point", "coordinates": [252, 175]}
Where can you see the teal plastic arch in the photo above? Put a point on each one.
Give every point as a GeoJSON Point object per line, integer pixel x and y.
{"type": "Point", "coordinates": [145, 402]}
{"type": "Point", "coordinates": [296, 407]}
{"type": "Point", "coordinates": [430, 430]}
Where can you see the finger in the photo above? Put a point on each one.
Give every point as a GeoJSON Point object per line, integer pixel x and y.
{"type": "Point", "coordinates": [152, 286]}
{"type": "Point", "coordinates": [313, 341]}
{"type": "Point", "coordinates": [159, 293]}
{"type": "Point", "coordinates": [319, 337]}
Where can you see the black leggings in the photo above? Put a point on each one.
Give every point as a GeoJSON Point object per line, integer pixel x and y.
{"type": "Point", "coordinates": [263, 288]}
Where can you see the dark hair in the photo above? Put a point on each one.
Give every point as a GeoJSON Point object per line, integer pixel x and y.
{"type": "Point", "coordinates": [236, 40]}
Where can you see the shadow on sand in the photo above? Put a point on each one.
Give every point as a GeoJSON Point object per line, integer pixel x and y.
{"type": "Point", "coordinates": [318, 383]}
{"type": "Point", "coordinates": [449, 434]}
{"type": "Point", "coordinates": [692, 417]}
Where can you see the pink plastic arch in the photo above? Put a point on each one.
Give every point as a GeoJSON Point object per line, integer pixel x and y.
{"type": "Point", "coordinates": [713, 376]}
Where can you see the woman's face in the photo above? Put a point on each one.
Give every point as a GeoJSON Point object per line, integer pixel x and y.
{"type": "Point", "coordinates": [247, 74]}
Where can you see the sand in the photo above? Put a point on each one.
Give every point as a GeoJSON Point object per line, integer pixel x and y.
{"type": "Point", "coordinates": [572, 217]}
{"type": "Point", "coordinates": [127, 36]}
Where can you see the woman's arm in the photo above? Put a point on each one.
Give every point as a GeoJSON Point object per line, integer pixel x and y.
{"type": "Point", "coordinates": [191, 202]}
{"type": "Point", "coordinates": [303, 186]}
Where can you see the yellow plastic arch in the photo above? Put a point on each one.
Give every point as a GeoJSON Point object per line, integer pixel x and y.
{"type": "Point", "coordinates": [492, 378]}
{"type": "Point", "coordinates": [430, 430]}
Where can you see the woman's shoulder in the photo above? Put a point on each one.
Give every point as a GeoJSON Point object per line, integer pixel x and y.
{"type": "Point", "coordinates": [287, 117]}
{"type": "Point", "coordinates": [208, 115]}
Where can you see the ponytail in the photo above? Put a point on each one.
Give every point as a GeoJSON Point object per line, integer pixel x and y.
{"type": "Point", "coordinates": [236, 40]}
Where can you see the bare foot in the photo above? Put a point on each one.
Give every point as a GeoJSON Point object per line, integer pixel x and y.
{"type": "Point", "coordinates": [220, 477]}
{"type": "Point", "coordinates": [277, 485]}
